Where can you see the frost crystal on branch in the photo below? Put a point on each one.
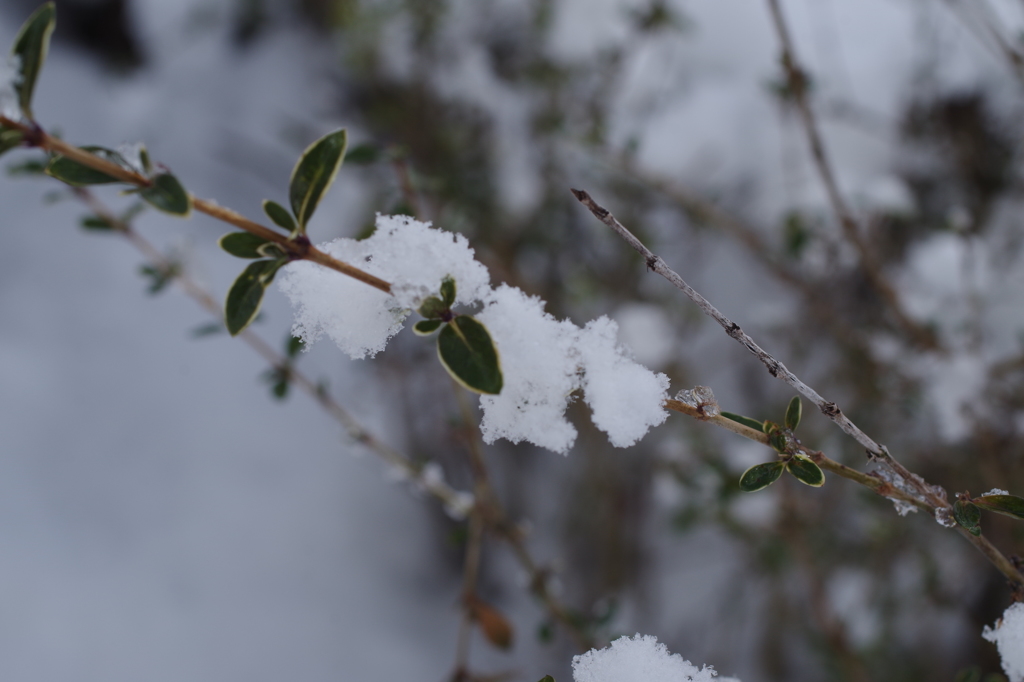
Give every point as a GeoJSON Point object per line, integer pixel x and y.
{"type": "Point", "coordinates": [995, 491]}
{"type": "Point", "coordinates": [639, 659]}
{"type": "Point", "coordinates": [701, 398]}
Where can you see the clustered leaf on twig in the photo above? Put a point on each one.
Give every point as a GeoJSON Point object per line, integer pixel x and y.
{"type": "Point", "coordinates": [464, 345]}
{"type": "Point", "coordinates": [967, 510]}
{"type": "Point", "coordinates": [312, 176]}
{"type": "Point", "coordinates": [781, 438]}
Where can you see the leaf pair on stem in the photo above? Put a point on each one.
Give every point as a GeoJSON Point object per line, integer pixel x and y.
{"type": "Point", "coordinates": [781, 438]}
{"type": "Point", "coordinates": [464, 345]}
{"type": "Point", "coordinates": [312, 176]}
{"type": "Point", "coordinates": [967, 510]}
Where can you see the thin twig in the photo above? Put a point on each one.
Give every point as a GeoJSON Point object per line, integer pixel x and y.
{"type": "Point", "coordinates": [297, 249]}
{"type": "Point", "coordinates": [988, 35]}
{"type": "Point", "coordinates": [704, 211]}
{"type": "Point", "coordinates": [796, 79]}
{"type": "Point", "coordinates": [470, 576]}
{"type": "Point", "coordinates": [499, 523]}
{"type": "Point", "coordinates": [450, 497]}
{"type": "Point", "coordinates": [927, 496]}
{"type": "Point", "coordinates": [409, 193]}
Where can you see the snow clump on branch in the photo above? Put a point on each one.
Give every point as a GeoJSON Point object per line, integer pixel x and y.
{"type": "Point", "coordinates": [1008, 636]}
{"type": "Point", "coordinates": [543, 359]}
{"type": "Point", "coordinates": [639, 659]}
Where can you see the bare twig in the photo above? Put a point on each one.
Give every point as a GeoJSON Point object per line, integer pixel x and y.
{"type": "Point", "coordinates": [797, 83]}
{"type": "Point", "coordinates": [499, 523]}
{"type": "Point", "coordinates": [982, 24]}
{"type": "Point", "coordinates": [409, 193]}
{"type": "Point", "coordinates": [470, 575]}
{"type": "Point", "coordinates": [707, 212]}
{"type": "Point", "coordinates": [925, 496]}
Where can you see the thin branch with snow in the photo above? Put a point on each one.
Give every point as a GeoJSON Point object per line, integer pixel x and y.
{"type": "Point", "coordinates": [930, 497]}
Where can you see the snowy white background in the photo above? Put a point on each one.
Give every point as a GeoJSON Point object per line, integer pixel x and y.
{"type": "Point", "coordinates": [160, 517]}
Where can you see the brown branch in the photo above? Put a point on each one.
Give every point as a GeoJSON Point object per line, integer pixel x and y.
{"type": "Point", "coordinates": [439, 489]}
{"type": "Point", "coordinates": [925, 496]}
{"type": "Point", "coordinates": [706, 212]}
{"type": "Point", "coordinates": [489, 511]}
{"type": "Point", "coordinates": [797, 82]}
{"type": "Point", "coordinates": [297, 249]}
{"type": "Point", "coordinates": [499, 523]}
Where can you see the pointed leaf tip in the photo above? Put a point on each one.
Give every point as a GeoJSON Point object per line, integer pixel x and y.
{"type": "Point", "coordinates": [468, 353]}
{"type": "Point", "coordinates": [761, 476]}
{"type": "Point", "coordinates": [426, 327]}
{"type": "Point", "coordinates": [1008, 505]}
{"type": "Point", "coordinates": [793, 413]}
{"type": "Point", "coordinates": [314, 173]}
{"type": "Point", "coordinates": [279, 215]}
{"type": "Point", "coordinates": [242, 244]}
{"type": "Point", "coordinates": [746, 421]}
{"type": "Point", "coordinates": [806, 471]}
{"type": "Point", "coordinates": [246, 295]}
{"type": "Point", "coordinates": [31, 46]}
{"type": "Point", "coordinates": [167, 194]}
{"type": "Point", "coordinates": [448, 290]}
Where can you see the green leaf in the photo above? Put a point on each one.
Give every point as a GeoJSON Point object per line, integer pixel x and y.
{"type": "Point", "coordinates": [293, 346]}
{"type": "Point", "coordinates": [279, 215]}
{"type": "Point", "coordinates": [167, 194]}
{"type": "Point", "coordinates": [79, 175]}
{"type": "Point", "coordinates": [10, 139]}
{"type": "Point", "coordinates": [160, 277]}
{"type": "Point", "coordinates": [246, 294]}
{"type": "Point", "coordinates": [968, 516]}
{"type": "Point", "coordinates": [547, 678]}
{"type": "Point", "coordinates": [761, 476]}
{"type": "Point", "coordinates": [31, 46]}
{"type": "Point", "coordinates": [426, 327]}
{"type": "Point", "coordinates": [363, 154]}
{"type": "Point", "coordinates": [147, 164]}
{"type": "Point", "coordinates": [129, 214]}
{"type": "Point", "coordinates": [768, 426]}
{"type": "Point", "coordinates": [208, 329]}
{"type": "Point", "coordinates": [468, 353]}
{"type": "Point", "coordinates": [242, 244]}
{"type": "Point", "coordinates": [970, 674]}
{"type": "Point", "coordinates": [746, 421]}
{"type": "Point", "coordinates": [448, 290]}
{"type": "Point", "coordinates": [778, 439]}
{"type": "Point", "coordinates": [806, 471]}
{"type": "Point", "coordinates": [793, 412]}
{"type": "Point", "coordinates": [1008, 505]}
{"type": "Point", "coordinates": [314, 173]}
{"type": "Point", "coordinates": [97, 223]}
{"type": "Point", "coordinates": [28, 167]}
{"type": "Point", "coordinates": [272, 250]}
{"type": "Point", "coordinates": [433, 308]}
{"type": "Point", "coordinates": [280, 389]}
